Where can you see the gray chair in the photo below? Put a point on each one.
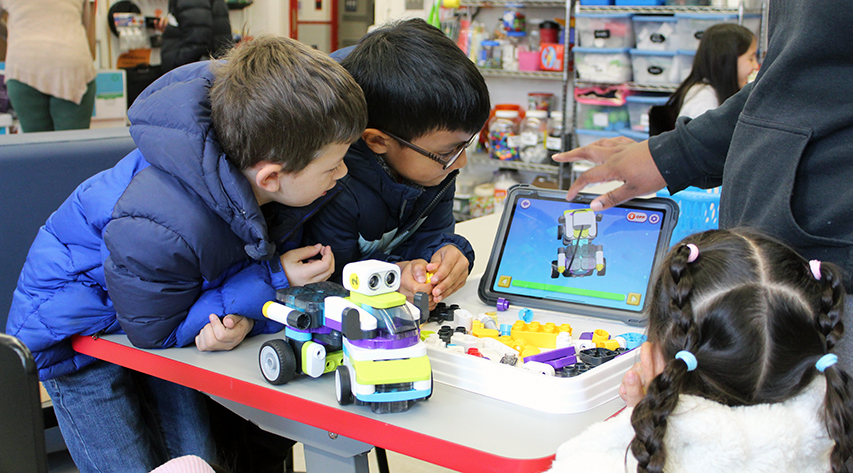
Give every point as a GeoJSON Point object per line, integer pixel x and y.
{"type": "Point", "coordinates": [38, 171]}
{"type": "Point", "coordinates": [22, 445]}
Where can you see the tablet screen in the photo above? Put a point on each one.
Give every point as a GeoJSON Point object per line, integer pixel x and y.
{"type": "Point", "coordinates": [564, 252]}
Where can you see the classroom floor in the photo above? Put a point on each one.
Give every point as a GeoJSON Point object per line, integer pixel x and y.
{"type": "Point", "coordinates": [60, 462]}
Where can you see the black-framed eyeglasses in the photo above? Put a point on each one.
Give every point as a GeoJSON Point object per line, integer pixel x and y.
{"type": "Point", "coordinates": [445, 160]}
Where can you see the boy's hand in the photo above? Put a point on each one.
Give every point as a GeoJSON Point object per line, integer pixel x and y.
{"type": "Point", "coordinates": [300, 269]}
{"type": "Point", "coordinates": [413, 280]}
{"type": "Point", "coordinates": [449, 268]}
{"type": "Point", "coordinates": [223, 334]}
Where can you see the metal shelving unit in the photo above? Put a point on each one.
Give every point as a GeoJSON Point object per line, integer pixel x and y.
{"type": "Point", "coordinates": [540, 75]}
{"type": "Point", "coordinates": [480, 158]}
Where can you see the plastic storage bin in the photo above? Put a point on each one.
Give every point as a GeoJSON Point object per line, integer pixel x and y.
{"type": "Point", "coordinates": [602, 117]}
{"type": "Point", "coordinates": [699, 211]}
{"type": "Point", "coordinates": [634, 135]}
{"type": "Point", "coordinates": [654, 67]}
{"type": "Point", "coordinates": [586, 137]}
{"type": "Point", "coordinates": [689, 27]}
{"type": "Point", "coordinates": [638, 110]}
{"type": "Point", "coordinates": [596, 2]}
{"type": "Point", "coordinates": [604, 30]}
{"type": "Point", "coordinates": [639, 2]}
{"type": "Point", "coordinates": [684, 63]}
{"type": "Point", "coordinates": [608, 66]}
{"type": "Point", "coordinates": [655, 33]}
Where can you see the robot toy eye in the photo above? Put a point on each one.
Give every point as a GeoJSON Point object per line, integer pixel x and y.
{"type": "Point", "coordinates": [373, 282]}
{"type": "Point", "coordinates": [390, 279]}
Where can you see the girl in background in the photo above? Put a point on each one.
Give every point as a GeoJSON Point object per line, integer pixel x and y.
{"type": "Point", "coordinates": [741, 333]}
{"type": "Point", "coordinates": [724, 61]}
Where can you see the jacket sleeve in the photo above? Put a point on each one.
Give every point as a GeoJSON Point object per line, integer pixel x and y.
{"type": "Point", "coordinates": [434, 233]}
{"type": "Point", "coordinates": [694, 153]}
{"type": "Point", "coordinates": [161, 298]}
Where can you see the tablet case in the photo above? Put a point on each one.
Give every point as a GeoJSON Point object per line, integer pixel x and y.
{"type": "Point", "coordinates": [558, 255]}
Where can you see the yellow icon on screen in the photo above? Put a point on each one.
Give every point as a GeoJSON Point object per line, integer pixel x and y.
{"type": "Point", "coordinates": [504, 281]}
{"type": "Point", "coordinates": [633, 298]}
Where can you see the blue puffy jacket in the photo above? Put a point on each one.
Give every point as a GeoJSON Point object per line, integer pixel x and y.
{"type": "Point", "coordinates": [155, 244]}
{"type": "Point", "coordinates": [376, 217]}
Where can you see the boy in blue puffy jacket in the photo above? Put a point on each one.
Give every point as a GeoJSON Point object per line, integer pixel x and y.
{"type": "Point", "coordinates": [184, 240]}
{"type": "Point", "coordinates": [426, 101]}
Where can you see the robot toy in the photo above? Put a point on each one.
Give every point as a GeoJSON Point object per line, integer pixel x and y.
{"type": "Point", "coordinates": [578, 257]}
{"type": "Point", "coordinates": [365, 331]}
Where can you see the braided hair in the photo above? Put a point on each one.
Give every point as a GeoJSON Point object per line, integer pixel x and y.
{"type": "Point", "coordinates": [749, 301]}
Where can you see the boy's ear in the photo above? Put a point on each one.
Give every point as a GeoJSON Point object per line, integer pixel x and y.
{"type": "Point", "coordinates": [376, 140]}
{"type": "Point", "coordinates": [268, 176]}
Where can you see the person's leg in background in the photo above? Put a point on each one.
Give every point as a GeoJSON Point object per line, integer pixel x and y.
{"type": "Point", "coordinates": [180, 416]}
{"type": "Point", "coordinates": [246, 448]}
{"type": "Point", "coordinates": [101, 419]}
{"type": "Point", "coordinates": [68, 115]}
{"type": "Point", "coordinates": [31, 106]}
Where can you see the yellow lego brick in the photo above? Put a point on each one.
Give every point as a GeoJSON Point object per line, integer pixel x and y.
{"type": "Point", "coordinates": [529, 351]}
{"type": "Point", "coordinates": [382, 301]}
{"type": "Point", "coordinates": [600, 335]}
{"type": "Point", "coordinates": [537, 334]}
{"type": "Point", "coordinates": [483, 332]}
{"type": "Point", "coordinates": [609, 344]}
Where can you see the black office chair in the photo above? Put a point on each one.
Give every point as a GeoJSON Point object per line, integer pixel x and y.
{"type": "Point", "coordinates": [22, 445]}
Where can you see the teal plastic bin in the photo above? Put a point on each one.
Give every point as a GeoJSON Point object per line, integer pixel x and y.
{"type": "Point", "coordinates": [698, 211]}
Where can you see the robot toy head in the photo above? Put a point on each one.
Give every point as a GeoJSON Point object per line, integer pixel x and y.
{"type": "Point", "coordinates": [371, 277]}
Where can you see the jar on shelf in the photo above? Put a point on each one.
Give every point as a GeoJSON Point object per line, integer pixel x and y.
{"type": "Point", "coordinates": [514, 20]}
{"type": "Point", "coordinates": [554, 140]}
{"type": "Point", "coordinates": [534, 130]}
{"type": "Point", "coordinates": [516, 42]}
{"type": "Point", "coordinates": [502, 184]}
{"type": "Point", "coordinates": [490, 55]}
{"type": "Point", "coordinates": [540, 101]}
{"type": "Point", "coordinates": [503, 135]}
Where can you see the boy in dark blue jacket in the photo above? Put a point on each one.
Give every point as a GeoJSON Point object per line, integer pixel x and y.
{"type": "Point", "coordinates": [426, 101]}
{"type": "Point", "coordinates": [172, 245]}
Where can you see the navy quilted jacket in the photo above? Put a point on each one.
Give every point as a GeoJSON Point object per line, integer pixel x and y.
{"type": "Point", "coordinates": [155, 244]}
{"type": "Point", "coordinates": [203, 30]}
{"type": "Point", "coordinates": [376, 217]}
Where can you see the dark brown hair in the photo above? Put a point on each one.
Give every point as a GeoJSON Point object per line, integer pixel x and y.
{"type": "Point", "coordinates": [276, 100]}
{"type": "Point", "coordinates": [756, 319]}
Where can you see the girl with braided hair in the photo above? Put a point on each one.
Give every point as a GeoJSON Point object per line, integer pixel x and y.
{"type": "Point", "coordinates": [742, 372]}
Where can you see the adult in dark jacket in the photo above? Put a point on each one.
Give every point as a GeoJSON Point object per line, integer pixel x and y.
{"type": "Point", "coordinates": [194, 30]}
{"type": "Point", "coordinates": [781, 147]}
{"type": "Point", "coordinates": [425, 102]}
{"type": "Point", "coordinates": [173, 237]}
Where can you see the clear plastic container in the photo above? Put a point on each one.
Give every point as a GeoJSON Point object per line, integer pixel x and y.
{"type": "Point", "coordinates": [655, 67]}
{"type": "Point", "coordinates": [554, 140]}
{"type": "Point", "coordinates": [602, 117]}
{"type": "Point", "coordinates": [534, 129]}
{"type": "Point", "coordinates": [605, 30]}
{"type": "Point", "coordinates": [514, 20]}
{"type": "Point", "coordinates": [638, 110]}
{"type": "Point", "coordinates": [604, 66]}
{"type": "Point", "coordinates": [655, 33]}
{"type": "Point", "coordinates": [690, 26]}
{"type": "Point", "coordinates": [504, 138]}
{"type": "Point", "coordinates": [490, 55]}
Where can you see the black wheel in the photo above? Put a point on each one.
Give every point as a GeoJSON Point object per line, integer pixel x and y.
{"type": "Point", "coordinates": [343, 387]}
{"type": "Point", "coordinates": [560, 231]}
{"type": "Point", "coordinates": [554, 273]}
{"type": "Point", "coordinates": [278, 364]}
{"type": "Point", "coordinates": [603, 267]}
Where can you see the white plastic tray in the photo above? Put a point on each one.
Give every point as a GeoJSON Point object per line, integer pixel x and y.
{"type": "Point", "coordinates": [523, 387]}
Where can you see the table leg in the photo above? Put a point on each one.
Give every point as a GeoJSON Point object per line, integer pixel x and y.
{"type": "Point", "coordinates": [324, 451]}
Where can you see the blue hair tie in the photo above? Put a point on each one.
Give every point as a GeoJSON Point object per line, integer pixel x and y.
{"type": "Point", "coordinates": [826, 361]}
{"type": "Point", "coordinates": [689, 359]}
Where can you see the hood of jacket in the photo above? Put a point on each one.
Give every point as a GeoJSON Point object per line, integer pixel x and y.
{"type": "Point", "coordinates": [171, 124]}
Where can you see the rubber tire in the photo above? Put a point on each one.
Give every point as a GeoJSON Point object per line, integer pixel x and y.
{"type": "Point", "coordinates": [282, 363]}
{"type": "Point", "coordinates": [554, 273]}
{"type": "Point", "coordinates": [343, 387]}
{"type": "Point", "coordinates": [604, 267]}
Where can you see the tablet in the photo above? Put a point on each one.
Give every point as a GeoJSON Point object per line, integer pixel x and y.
{"type": "Point", "coordinates": [561, 255]}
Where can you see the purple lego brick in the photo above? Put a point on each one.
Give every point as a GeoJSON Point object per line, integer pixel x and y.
{"type": "Point", "coordinates": [552, 355]}
{"type": "Point", "coordinates": [502, 304]}
{"type": "Point", "coordinates": [586, 336]}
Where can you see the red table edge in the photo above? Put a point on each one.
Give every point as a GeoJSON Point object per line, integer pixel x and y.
{"type": "Point", "coordinates": [390, 437]}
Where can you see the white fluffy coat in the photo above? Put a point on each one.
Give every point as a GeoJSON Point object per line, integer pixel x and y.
{"type": "Point", "coordinates": [705, 436]}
